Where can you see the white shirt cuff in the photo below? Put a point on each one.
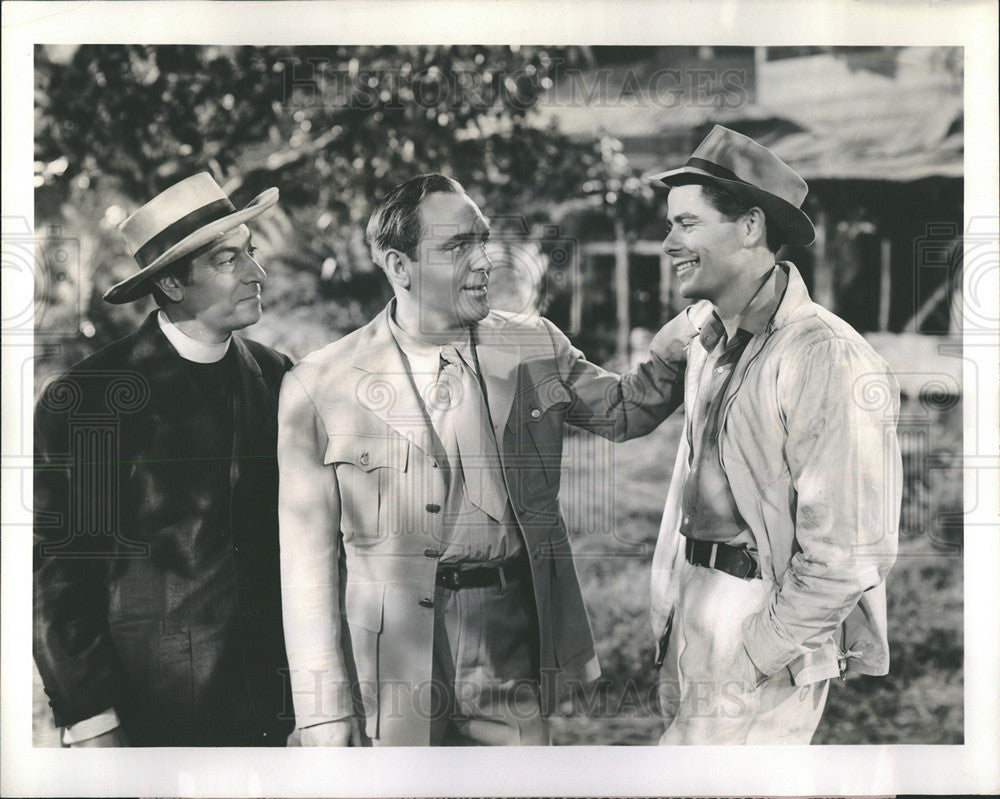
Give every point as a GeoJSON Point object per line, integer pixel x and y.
{"type": "Point", "coordinates": [90, 728]}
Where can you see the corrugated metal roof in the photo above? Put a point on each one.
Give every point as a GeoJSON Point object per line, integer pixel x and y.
{"type": "Point", "coordinates": [846, 123]}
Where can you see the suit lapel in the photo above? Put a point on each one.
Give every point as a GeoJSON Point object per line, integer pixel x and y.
{"type": "Point", "coordinates": [499, 356]}
{"type": "Point", "coordinates": [386, 388]}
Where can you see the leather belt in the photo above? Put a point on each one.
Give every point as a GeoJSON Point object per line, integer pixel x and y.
{"type": "Point", "coordinates": [736, 561]}
{"type": "Point", "coordinates": [457, 576]}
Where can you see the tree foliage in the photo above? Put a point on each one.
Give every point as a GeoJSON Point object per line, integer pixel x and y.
{"type": "Point", "coordinates": [333, 127]}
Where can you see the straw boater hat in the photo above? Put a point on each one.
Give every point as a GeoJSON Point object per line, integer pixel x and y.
{"type": "Point", "coordinates": [752, 172]}
{"type": "Point", "coordinates": [175, 223]}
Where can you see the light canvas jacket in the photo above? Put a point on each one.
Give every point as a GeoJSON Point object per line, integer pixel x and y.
{"type": "Point", "coordinates": [808, 443]}
{"type": "Point", "coordinates": [359, 499]}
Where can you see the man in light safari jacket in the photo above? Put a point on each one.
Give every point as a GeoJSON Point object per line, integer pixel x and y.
{"type": "Point", "coordinates": [781, 519]}
{"type": "Point", "coordinates": [429, 591]}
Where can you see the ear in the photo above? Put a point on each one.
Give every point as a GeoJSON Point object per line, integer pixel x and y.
{"type": "Point", "coordinates": [755, 227]}
{"type": "Point", "coordinates": [171, 286]}
{"type": "Point", "coordinates": [398, 268]}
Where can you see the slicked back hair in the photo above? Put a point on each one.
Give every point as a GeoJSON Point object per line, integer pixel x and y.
{"type": "Point", "coordinates": [395, 222]}
{"type": "Point", "coordinates": [734, 207]}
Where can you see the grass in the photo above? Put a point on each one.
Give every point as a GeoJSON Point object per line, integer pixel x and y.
{"type": "Point", "coordinates": [921, 699]}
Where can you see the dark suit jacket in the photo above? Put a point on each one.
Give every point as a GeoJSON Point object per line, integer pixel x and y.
{"type": "Point", "coordinates": [156, 548]}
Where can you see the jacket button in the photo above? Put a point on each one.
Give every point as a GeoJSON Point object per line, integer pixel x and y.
{"type": "Point", "coordinates": [535, 413]}
{"type": "Point", "coordinates": [426, 602]}
{"type": "Point", "coordinates": [365, 458]}
{"type": "Point", "coordinates": [431, 553]}
{"type": "Point", "coordinates": [433, 507]}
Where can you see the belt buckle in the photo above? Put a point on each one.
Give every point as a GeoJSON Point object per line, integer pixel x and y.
{"type": "Point", "coordinates": [750, 570]}
{"type": "Point", "coordinates": [451, 579]}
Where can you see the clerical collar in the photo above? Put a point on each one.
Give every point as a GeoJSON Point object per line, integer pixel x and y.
{"type": "Point", "coordinates": [188, 348]}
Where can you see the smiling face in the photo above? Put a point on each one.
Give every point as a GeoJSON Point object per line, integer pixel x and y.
{"type": "Point", "coordinates": [706, 249]}
{"type": "Point", "coordinates": [450, 272]}
{"type": "Point", "coordinates": [223, 294]}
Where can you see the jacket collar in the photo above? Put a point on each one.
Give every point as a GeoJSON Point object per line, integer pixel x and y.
{"type": "Point", "coordinates": [794, 304]}
{"type": "Point", "coordinates": [389, 392]}
{"type": "Point", "coordinates": [757, 314]}
{"type": "Point", "coordinates": [762, 315]}
{"type": "Point", "coordinates": [796, 301]}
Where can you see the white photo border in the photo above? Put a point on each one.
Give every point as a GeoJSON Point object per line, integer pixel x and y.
{"type": "Point", "coordinates": [566, 771]}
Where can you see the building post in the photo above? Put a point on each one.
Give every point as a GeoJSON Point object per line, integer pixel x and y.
{"type": "Point", "coordinates": [621, 291]}
{"type": "Point", "coordinates": [579, 263]}
{"type": "Point", "coordinates": [885, 284]}
{"type": "Point", "coordinates": [666, 287]}
{"type": "Point", "coordinates": [822, 269]}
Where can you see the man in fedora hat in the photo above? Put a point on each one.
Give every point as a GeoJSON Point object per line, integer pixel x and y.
{"type": "Point", "coordinates": [781, 518]}
{"type": "Point", "coordinates": [157, 606]}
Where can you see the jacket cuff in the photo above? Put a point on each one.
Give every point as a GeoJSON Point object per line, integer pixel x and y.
{"type": "Point", "coordinates": [766, 649]}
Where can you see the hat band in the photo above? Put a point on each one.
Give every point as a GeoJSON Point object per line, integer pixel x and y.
{"type": "Point", "coordinates": [181, 229]}
{"type": "Point", "coordinates": [714, 169]}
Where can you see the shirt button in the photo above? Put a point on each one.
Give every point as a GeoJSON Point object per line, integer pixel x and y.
{"type": "Point", "coordinates": [365, 458]}
{"type": "Point", "coordinates": [535, 413]}
{"type": "Point", "coordinates": [432, 507]}
{"type": "Point", "coordinates": [431, 553]}
{"type": "Point", "coordinates": [720, 369]}
{"type": "Point", "coordinates": [426, 602]}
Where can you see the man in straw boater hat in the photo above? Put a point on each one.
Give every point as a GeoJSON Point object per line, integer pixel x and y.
{"type": "Point", "coordinates": [157, 606]}
{"type": "Point", "coordinates": [781, 518]}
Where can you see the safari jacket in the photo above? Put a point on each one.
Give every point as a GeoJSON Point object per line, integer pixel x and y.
{"type": "Point", "coordinates": [360, 495]}
{"type": "Point", "coordinates": [808, 444]}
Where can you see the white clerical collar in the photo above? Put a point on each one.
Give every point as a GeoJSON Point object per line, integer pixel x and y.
{"type": "Point", "coordinates": [188, 348]}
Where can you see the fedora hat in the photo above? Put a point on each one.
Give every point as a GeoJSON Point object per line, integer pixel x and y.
{"type": "Point", "coordinates": [177, 222]}
{"type": "Point", "coordinates": [752, 172]}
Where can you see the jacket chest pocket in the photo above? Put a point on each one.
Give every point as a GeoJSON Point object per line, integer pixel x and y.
{"type": "Point", "coordinates": [371, 472]}
{"type": "Point", "coordinates": [539, 440]}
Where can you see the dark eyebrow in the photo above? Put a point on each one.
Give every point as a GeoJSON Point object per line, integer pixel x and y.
{"type": "Point", "coordinates": [478, 234]}
{"type": "Point", "coordinates": [685, 217]}
{"type": "Point", "coordinates": [234, 248]}
{"type": "Point", "coordinates": [225, 251]}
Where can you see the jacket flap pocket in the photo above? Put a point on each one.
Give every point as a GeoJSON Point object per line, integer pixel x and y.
{"type": "Point", "coordinates": [549, 391]}
{"type": "Point", "coordinates": [368, 452]}
{"type": "Point", "coordinates": [363, 605]}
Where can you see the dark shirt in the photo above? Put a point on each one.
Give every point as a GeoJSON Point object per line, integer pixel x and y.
{"type": "Point", "coordinates": [216, 382]}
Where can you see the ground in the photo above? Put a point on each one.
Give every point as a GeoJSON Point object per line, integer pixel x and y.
{"type": "Point", "coordinates": [613, 497]}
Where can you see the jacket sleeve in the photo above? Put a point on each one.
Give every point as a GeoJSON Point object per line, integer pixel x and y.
{"type": "Point", "coordinates": [309, 535]}
{"type": "Point", "coordinates": [620, 407]}
{"type": "Point", "coordinates": [840, 405]}
{"type": "Point", "coordinates": [73, 649]}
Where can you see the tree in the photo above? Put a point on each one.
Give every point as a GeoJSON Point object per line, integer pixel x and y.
{"type": "Point", "coordinates": [333, 127]}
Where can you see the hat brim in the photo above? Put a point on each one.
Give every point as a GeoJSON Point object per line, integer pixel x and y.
{"type": "Point", "coordinates": [140, 284]}
{"type": "Point", "coordinates": [797, 228]}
